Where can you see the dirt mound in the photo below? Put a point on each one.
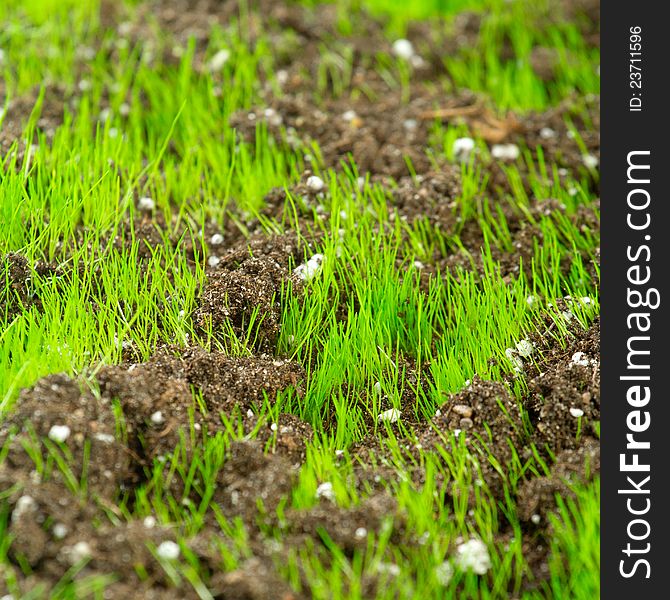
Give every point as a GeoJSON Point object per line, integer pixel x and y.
{"type": "Point", "coordinates": [244, 289]}
{"type": "Point", "coordinates": [17, 116]}
{"type": "Point", "coordinates": [19, 295]}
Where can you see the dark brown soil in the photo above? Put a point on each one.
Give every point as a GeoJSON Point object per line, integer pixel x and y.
{"type": "Point", "coordinates": [19, 294]}
{"type": "Point", "coordinates": [122, 420]}
{"type": "Point", "coordinates": [18, 113]}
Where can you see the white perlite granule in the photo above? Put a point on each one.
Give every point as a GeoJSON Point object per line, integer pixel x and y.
{"type": "Point", "coordinates": [579, 358]}
{"type": "Point", "coordinates": [217, 61]}
{"type": "Point", "coordinates": [325, 490]}
{"type": "Point", "coordinates": [146, 204]}
{"type": "Point", "coordinates": [59, 433]}
{"type": "Point", "coordinates": [505, 151]}
{"type": "Point", "coordinates": [444, 572]}
{"type": "Point", "coordinates": [168, 550]}
{"type": "Point", "coordinates": [403, 49]}
{"type": "Point", "coordinates": [314, 183]}
{"type": "Point", "coordinates": [24, 504]}
{"type": "Point", "coordinates": [307, 270]}
{"type": "Point", "coordinates": [389, 416]}
{"type": "Point", "coordinates": [60, 531]}
{"type": "Point", "coordinates": [463, 147]}
{"type": "Point", "coordinates": [80, 551]}
{"type": "Point", "coordinates": [524, 348]}
{"type": "Point", "coordinates": [473, 556]}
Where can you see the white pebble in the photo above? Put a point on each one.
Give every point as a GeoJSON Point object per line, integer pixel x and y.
{"type": "Point", "coordinates": [377, 387]}
{"type": "Point", "coordinates": [536, 519]}
{"type": "Point", "coordinates": [463, 147]}
{"type": "Point", "coordinates": [325, 490]}
{"type": "Point", "coordinates": [307, 270]}
{"type": "Point", "coordinates": [146, 204]}
{"type": "Point", "coordinates": [216, 239]}
{"type": "Point", "coordinates": [59, 433]}
{"type": "Point", "coordinates": [576, 412]}
{"type": "Point", "coordinates": [314, 183]}
{"type": "Point", "coordinates": [403, 49]}
{"type": "Point", "coordinates": [524, 348]}
{"type": "Point", "coordinates": [157, 418]}
{"type": "Point", "coordinates": [149, 522]}
{"type": "Point", "coordinates": [59, 531]}
{"type": "Point", "coordinates": [531, 300]}
{"type": "Point", "coordinates": [80, 551]}
{"type": "Point", "coordinates": [389, 416]}
{"type": "Point", "coordinates": [168, 550]}
{"type": "Point", "coordinates": [349, 115]}
{"type": "Point", "coordinates": [273, 117]}
{"type": "Point", "coordinates": [590, 161]}
{"type": "Point", "coordinates": [579, 358]}
{"type": "Point", "coordinates": [505, 151]}
{"type": "Point", "coordinates": [587, 300]}
{"type": "Point", "coordinates": [410, 124]}
{"type": "Point", "coordinates": [217, 61]}
{"type": "Point", "coordinates": [213, 261]}
{"type": "Point", "coordinates": [516, 361]}
{"type": "Point", "coordinates": [24, 504]}
{"type": "Point", "coordinates": [273, 427]}
{"type": "Point", "coordinates": [361, 533]}
{"type": "Point", "coordinates": [339, 452]}
{"type": "Point", "coordinates": [546, 133]}
{"type": "Point", "coordinates": [444, 572]}
{"type": "Point", "coordinates": [473, 556]}
{"type": "Point", "coordinates": [389, 568]}
{"type": "Point", "coordinates": [105, 438]}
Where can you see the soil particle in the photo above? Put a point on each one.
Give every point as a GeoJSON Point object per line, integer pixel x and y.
{"type": "Point", "coordinates": [255, 579]}
{"type": "Point", "coordinates": [346, 526]}
{"type": "Point", "coordinates": [18, 113]}
{"type": "Point", "coordinates": [382, 136]}
{"type": "Point", "coordinates": [564, 390]}
{"type": "Point", "coordinates": [92, 442]}
{"type": "Point", "coordinates": [537, 497]}
{"type": "Point", "coordinates": [19, 295]}
{"type": "Point", "coordinates": [228, 382]}
{"type": "Point", "coordinates": [250, 477]}
{"type": "Point", "coordinates": [243, 292]}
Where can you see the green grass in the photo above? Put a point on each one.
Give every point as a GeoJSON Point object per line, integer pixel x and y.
{"type": "Point", "coordinates": [73, 194]}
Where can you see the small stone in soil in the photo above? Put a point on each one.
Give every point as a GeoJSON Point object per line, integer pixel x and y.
{"type": "Point", "coordinates": [505, 151]}
{"type": "Point", "coordinates": [403, 49]}
{"type": "Point", "coordinates": [168, 550]}
{"type": "Point", "coordinates": [444, 572]}
{"type": "Point", "coordinates": [389, 416]}
{"type": "Point", "coordinates": [325, 490]}
{"type": "Point", "coordinates": [59, 433]}
{"type": "Point", "coordinates": [314, 183]}
{"type": "Point", "coordinates": [473, 556]}
{"type": "Point", "coordinates": [463, 147]}
{"type": "Point", "coordinates": [146, 204]}
{"type": "Point", "coordinates": [217, 61]}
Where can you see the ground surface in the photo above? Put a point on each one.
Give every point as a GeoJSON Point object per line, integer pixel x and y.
{"type": "Point", "coordinates": [291, 308]}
